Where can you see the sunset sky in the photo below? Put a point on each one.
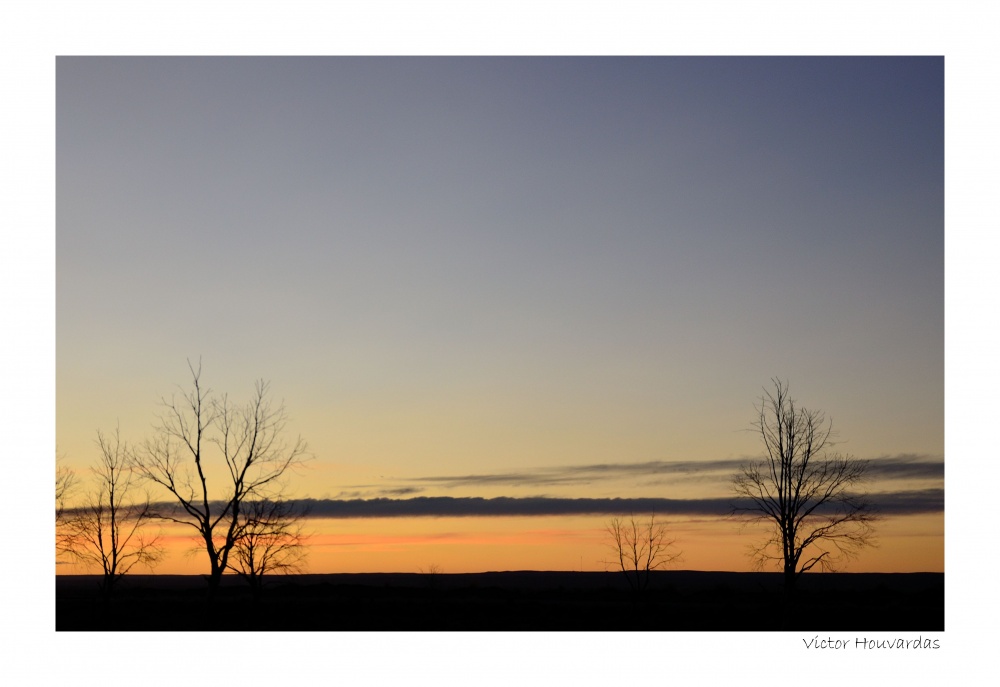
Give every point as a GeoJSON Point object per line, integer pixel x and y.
{"type": "Point", "coordinates": [501, 293]}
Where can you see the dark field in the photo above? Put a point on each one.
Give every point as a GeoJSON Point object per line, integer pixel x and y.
{"type": "Point", "coordinates": [518, 601]}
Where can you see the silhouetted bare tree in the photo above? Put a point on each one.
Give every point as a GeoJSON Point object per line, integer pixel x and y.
{"type": "Point", "coordinates": [807, 498]}
{"type": "Point", "coordinates": [640, 547]}
{"type": "Point", "coordinates": [269, 539]}
{"type": "Point", "coordinates": [65, 484]}
{"type": "Point", "coordinates": [240, 447]}
{"type": "Point", "coordinates": [108, 530]}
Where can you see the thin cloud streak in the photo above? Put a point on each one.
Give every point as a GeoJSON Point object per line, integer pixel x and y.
{"type": "Point", "coordinates": [903, 466]}
{"type": "Point", "coordinates": [906, 466]}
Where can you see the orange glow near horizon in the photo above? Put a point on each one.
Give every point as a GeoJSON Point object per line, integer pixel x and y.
{"type": "Point", "coordinates": [564, 543]}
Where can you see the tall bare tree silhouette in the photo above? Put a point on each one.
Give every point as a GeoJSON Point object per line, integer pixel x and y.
{"type": "Point", "coordinates": [109, 530]}
{"type": "Point", "coordinates": [204, 438]}
{"type": "Point", "coordinates": [807, 498]}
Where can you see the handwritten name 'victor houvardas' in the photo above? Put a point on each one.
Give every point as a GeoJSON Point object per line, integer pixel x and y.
{"type": "Point", "coordinates": [873, 644]}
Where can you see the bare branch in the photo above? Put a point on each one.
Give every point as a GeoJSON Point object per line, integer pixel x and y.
{"type": "Point", "coordinates": [269, 539]}
{"type": "Point", "coordinates": [66, 483]}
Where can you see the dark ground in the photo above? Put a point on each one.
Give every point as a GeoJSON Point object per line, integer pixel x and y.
{"type": "Point", "coordinates": [674, 601]}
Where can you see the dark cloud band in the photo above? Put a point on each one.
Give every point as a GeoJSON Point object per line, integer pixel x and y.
{"type": "Point", "coordinates": [887, 503]}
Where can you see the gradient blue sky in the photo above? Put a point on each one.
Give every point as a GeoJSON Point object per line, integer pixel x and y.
{"type": "Point", "coordinates": [510, 241]}
{"type": "Point", "coordinates": [466, 266]}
